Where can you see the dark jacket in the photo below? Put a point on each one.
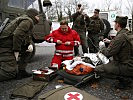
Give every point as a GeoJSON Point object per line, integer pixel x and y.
{"type": "Point", "coordinates": [96, 25]}
{"type": "Point", "coordinates": [80, 21]}
{"type": "Point", "coordinates": [17, 33]}
{"type": "Point", "coordinates": [15, 37]}
{"type": "Point", "coordinates": [119, 48]}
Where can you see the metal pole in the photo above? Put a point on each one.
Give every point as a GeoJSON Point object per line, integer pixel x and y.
{"type": "Point", "coordinates": [40, 6]}
{"type": "Point", "coordinates": [132, 20]}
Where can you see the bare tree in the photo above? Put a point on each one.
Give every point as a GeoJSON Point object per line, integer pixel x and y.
{"type": "Point", "coordinates": [51, 12]}
{"type": "Point", "coordinates": [86, 6]}
{"type": "Point", "coordinates": [68, 10]}
{"type": "Point", "coordinates": [118, 5]}
{"type": "Point", "coordinates": [74, 4]}
{"type": "Point", "coordinates": [129, 8]}
{"type": "Point", "coordinates": [108, 4]}
{"type": "Point", "coordinates": [59, 9]}
{"type": "Point", "coordinates": [132, 17]}
{"type": "Point", "coordinates": [70, 7]}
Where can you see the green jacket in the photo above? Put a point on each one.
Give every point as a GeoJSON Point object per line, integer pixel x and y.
{"type": "Point", "coordinates": [96, 25]}
{"type": "Point", "coordinates": [80, 21]}
{"type": "Point", "coordinates": [17, 33]}
{"type": "Point", "coordinates": [119, 48]}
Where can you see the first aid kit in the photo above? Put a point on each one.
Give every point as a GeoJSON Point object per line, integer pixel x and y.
{"type": "Point", "coordinates": [45, 74]}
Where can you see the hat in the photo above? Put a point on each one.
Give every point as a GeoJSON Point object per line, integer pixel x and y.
{"type": "Point", "coordinates": [32, 12]}
{"type": "Point", "coordinates": [121, 19]}
{"type": "Point", "coordinates": [97, 10]}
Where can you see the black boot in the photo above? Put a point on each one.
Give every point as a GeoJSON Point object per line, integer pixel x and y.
{"type": "Point", "coordinates": [23, 74]}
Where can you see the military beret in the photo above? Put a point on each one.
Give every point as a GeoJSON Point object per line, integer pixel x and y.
{"type": "Point", "coordinates": [121, 19]}
{"type": "Point", "coordinates": [97, 10]}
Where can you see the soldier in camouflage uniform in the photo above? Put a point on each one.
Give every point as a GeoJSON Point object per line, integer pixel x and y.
{"type": "Point", "coordinates": [14, 39]}
{"type": "Point", "coordinates": [95, 29]}
{"type": "Point", "coordinates": [80, 21]}
{"type": "Point", "coordinates": [120, 50]}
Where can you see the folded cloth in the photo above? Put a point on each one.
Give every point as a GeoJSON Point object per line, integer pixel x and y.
{"type": "Point", "coordinates": [28, 90]}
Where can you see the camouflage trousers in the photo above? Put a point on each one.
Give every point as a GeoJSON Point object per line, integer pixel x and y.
{"type": "Point", "coordinates": [8, 66]}
{"type": "Point", "coordinates": [84, 43]}
{"type": "Point", "coordinates": [115, 68]}
{"type": "Point", "coordinates": [93, 42]}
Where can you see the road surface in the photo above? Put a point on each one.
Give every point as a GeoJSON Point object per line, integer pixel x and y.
{"type": "Point", "coordinates": [103, 89]}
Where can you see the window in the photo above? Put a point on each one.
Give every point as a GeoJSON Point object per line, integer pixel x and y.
{"type": "Point", "coordinates": [23, 4]}
{"type": "Point", "coordinates": [33, 4]}
{"type": "Point", "coordinates": [16, 3]}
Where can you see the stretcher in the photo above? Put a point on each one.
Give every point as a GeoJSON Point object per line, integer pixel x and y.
{"type": "Point", "coordinates": [77, 80]}
{"type": "Point", "coordinates": [74, 79]}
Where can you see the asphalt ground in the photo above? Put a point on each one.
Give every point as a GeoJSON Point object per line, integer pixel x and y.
{"type": "Point", "coordinates": [103, 88]}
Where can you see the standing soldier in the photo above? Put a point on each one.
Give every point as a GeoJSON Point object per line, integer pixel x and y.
{"type": "Point", "coordinates": [79, 25]}
{"type": "Point", "coordinates": [95, 29]}
{"type": "Point", "coordinates": [14, 39]}
{"type": "Point", "coordinates": [121, 51]}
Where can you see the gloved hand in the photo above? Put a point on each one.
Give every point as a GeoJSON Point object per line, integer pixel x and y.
{"type": "Point", "coordinates": [59, 42]}
{"type": "Point", "coordinates": [30, 48]}
{"type": "Point", "coordinates": [67, 43]}
{"type": "Point", "coordinates": [101, 44]}
{"type": "Point", "coordinates": [16, 55]}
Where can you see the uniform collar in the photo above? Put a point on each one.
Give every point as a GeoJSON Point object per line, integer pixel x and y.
{"type": "Point", "coordinates": [93, 17]}
{"type": "Point", "coordinates": [123, 30]}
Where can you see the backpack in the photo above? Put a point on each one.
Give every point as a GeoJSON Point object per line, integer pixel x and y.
{"type": "Point", "coordinates": [94, 25]}
{"type": "Point", "coordinates": [67, 92]}
{"type": "Point", "coordinates": [129, 37]}
{"type": "Point", "coordinates": [79, 23]}
{"type": "Point", "coordinates": [3, 25]}
{"type": "Point", "coordinates": [11, 27]}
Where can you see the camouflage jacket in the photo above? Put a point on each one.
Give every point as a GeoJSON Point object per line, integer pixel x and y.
{"type": "Point", "coordinates": [95, 26]}
{"type": "Point", "coordinates": [119, 48]}
{"type": "Point", "coordinates": [80, 21]}
{"type": "Point", "coordinates": [17, 33]}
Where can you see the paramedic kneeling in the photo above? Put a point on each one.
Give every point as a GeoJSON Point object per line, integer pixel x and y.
{"type": "Point", "coordinates": [65, 39]}
{"type": "Point", "coordinates": [120, 49]}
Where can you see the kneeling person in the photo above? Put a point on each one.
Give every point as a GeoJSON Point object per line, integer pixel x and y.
{"type": "Point", "coordinates": [65, 39]}
{"type": "Point", "coordinates": [120, 49]}
{"type": "Point", "coordinates": [14, 39]}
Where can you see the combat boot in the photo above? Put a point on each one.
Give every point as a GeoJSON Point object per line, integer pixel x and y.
{"type": "Point", "coordinates": [22, 74]}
